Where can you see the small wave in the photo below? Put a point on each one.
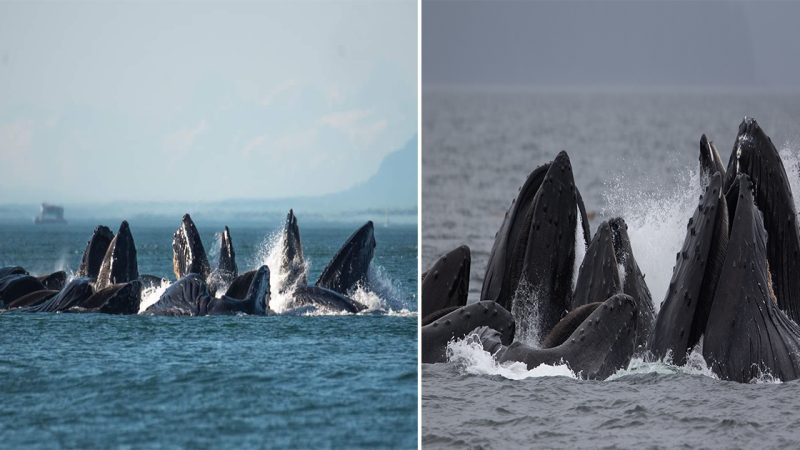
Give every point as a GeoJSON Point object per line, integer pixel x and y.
{"type": "Point", "coordinates": [468, 354]}
{"type": "Point", "coordinates": [695, 365]}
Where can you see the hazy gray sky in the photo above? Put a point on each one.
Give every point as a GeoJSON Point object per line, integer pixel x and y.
{"type": "Point", "coordinates": [619, 44]}
{"type": "Point", "coordinates": [201, 101]}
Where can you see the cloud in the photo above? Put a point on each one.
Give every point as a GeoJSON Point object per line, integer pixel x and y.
{"type": "Point", "coordinates": [359, 125]}
{"type": "Point", "coordinates": [179, 143]}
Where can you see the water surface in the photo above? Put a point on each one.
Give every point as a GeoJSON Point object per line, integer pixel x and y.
{"type": "Point", "coordinates": [634, 155]}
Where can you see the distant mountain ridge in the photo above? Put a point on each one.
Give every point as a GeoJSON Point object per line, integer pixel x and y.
{"type": "Point", "coordinates": [390, 194]}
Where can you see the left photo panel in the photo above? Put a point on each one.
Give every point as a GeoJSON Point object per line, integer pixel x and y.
{"type": "Point", "coordinates": [208, 224]}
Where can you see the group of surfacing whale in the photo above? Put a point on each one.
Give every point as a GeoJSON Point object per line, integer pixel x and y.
{"type": "Point", "coordinates": [734, 296]}
{"type": "Point", "coordinates": [108, 279]}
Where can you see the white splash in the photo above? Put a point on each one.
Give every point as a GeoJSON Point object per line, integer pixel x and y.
{"type": "Point", "coordinates": [469, 355]}
{"type": "Point", "coordinates": [695, 365]}
{"type": "Point", "coordinates": [656, 223]}
{"type": "Point", "coordinates": [621, 273]}
{"type": "Point", "coordinates": [213, 252]}
{"type": "Point", "coordinates": [525, 303]}
{"type": "Point", "coordinates": [271, 254]}
{"type": "Point", "coordinates": [151, 295]}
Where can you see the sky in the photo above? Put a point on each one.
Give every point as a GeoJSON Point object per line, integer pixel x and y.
{"type": "Point", "coordinates": [645, 43]}
{"type": "Point", "coordinates": [190, 101]}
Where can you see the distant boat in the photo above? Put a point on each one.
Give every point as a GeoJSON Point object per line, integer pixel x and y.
{"type": "Point", "coordinates": [386, 223]}
{"type": "Point", "coordinates": [50, 214]}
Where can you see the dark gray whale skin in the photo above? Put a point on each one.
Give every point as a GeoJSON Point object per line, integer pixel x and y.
{"type": "Point", "coordinates": [188, 296]}
{"type": "Point", "coordinates": [255, 302]}
{"type": "Point", "coordinates": [34, 298]}
{"type": "Point", "coordinates": [188, 253]}
{"type": "Point", "coordinates": [459, 323]}
{"type": "Point", "coordinates": [226, 271]}
{"type": "Point", "coordinates": [119, 263]}
{"type": "Point", "coordinates": [350, 265]}
{"type": "Point", "coordinates": [54, 281]}
{"type": "Point", "coordinates": [685, 311]}
{"type": "Point", "coordinates": [74, 294]}
{"type": "Point", "coordinates": [15, 285]}
{"type": "Point", "coordinates": [95, 252]}
{"type": "Point", "coordinates": [122, 298]}
{"type": "Point", "coordinates": [292, 262]}
{"type": "Point", "coordinates": [566, 326]}
{"type": "Point", "coordinates": [324, 298]}
{"type": "Point", "coordinates": [747, 334]}
{"type": "Point", "coordinates": [534, 250]}
{"type": "Point", "coordinates": [240, 285]}
{"type": "Point", "coordinates": [710, 161]}
{"type": "Point", "coordinates": [436, 315]}
{"type": "Point", "coordinates": [446, 283]}
{"type": "Point", "coordinates": [599, 277]}
{"type": "Point", "coordinates": [227, 257]}
{"type": "Point", "coordinates": [12, 270]}
{"type": "Point", "coordinates": [603, 344]}
{"type": "Point", "coordinates": [754, 155]}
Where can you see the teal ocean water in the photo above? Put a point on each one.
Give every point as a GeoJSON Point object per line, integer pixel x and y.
{"type": "Point", "coordinates": [286, 381]}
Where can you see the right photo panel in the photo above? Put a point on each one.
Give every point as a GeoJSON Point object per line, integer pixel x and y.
{"type": "Point", "coordinates": [609, 229]}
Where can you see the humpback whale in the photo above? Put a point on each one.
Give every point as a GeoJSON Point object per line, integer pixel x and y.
{"type": "Point", "coordinates": [456, 325]}
{"type": "Point", "coordinates": [240, 285]}
{"type": "Point", "coordinates": [436, 315]}
{"type": "Point", "coordinates": [74, 294]}
{"type": "Point", "coordinates": [350, 265]}
{"type": "Point", "coordinates": [189, 296]}
{"type": "Point", "coordinates": [446, 283]}
{"type": "Point", "coordinates": [747, 333]}
{"type": "Point", "coordinates": [531, 263]}
{"type": "Point", "coordinates": [603, 344]}
{"type": "Point", "coordinates": [122, 298]}
{"type": "Point", "coordinates": [119, 263]}
{"type": "Point", "coordinates": [754, 155]}
{"type": "Point", "coordinates": [710, 162]}
{"type": "Point", "coordinates": [292, 262]}
{"type": "Point", "coordinates": [34, 298]}
{"type": "Point", "coordinates": [255, 301]}
{"type": "Point", "coordinates": [609, 268]}
{"type": "Point", "coordinates": [16, 283]}
{"type": "Point", "coordinates": [54, 281]}
{"type": "Point", "coordinates": [685, 310]}
{"type": "Point", "coordinates": [13, 270]}
{"type": "Point", "coordinates": [566, 326]}
{"type": "Point", "coordinates": [95, 252]}
{"type": "Point", "coordinates": [226, 271]}
{"type": "Point", "coordinates": [188, 254]}
{"type": "Point", "coordinates": [325, 298]}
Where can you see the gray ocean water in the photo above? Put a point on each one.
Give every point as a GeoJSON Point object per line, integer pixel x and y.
{"type": "Point", "coordinates": [635, 155]}
{"type": "Point", "coordinates": [286, 381]}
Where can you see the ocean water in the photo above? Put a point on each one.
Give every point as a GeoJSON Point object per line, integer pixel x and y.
{"type": "Point", "coordinates": [287, 381]}
{"type": "Point", "coordinates": [634, 155]}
